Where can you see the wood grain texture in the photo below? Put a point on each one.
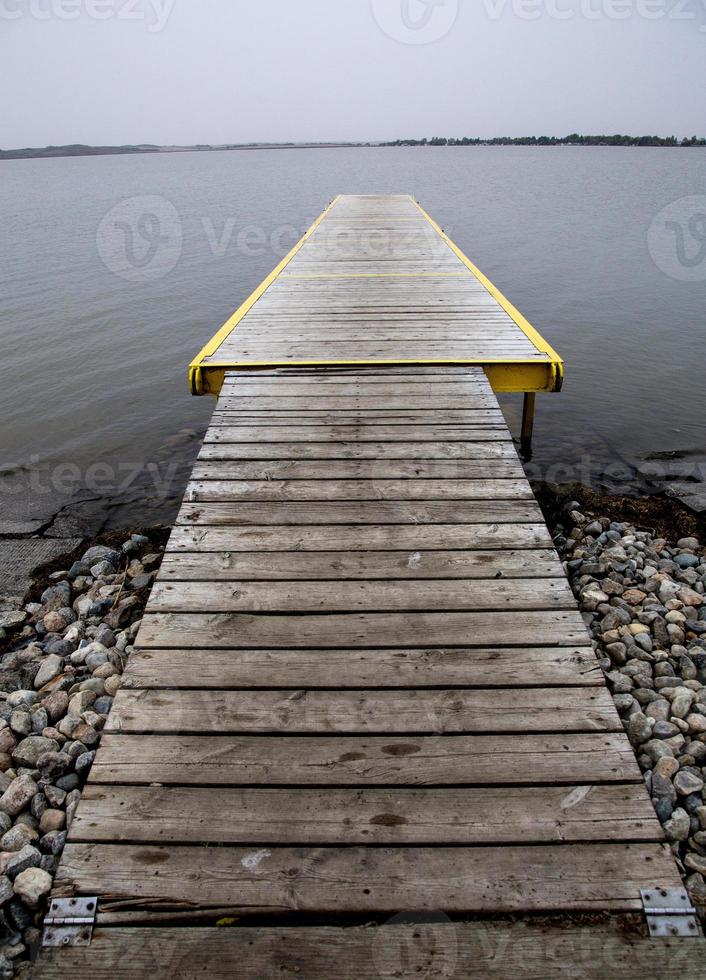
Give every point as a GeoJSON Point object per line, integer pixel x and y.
{"type": "Point", "coordinates": [482, 432]}
{"type": "Point", "coordinates": [449, 950]}
{"type": "Point", "coordinates": [370, 449]}
{"type": "Point", "coordinates": [564, 709]}
{"type": "Point", "coordinates": [337, 595]}
{"type": "Point", "coordinates": [231, 566]}
{"type": "Point", "coordinates": [499, 666]}
{"type": "Point", "coordinates": [358, 879]}
{"type": "Point", "coordinates": [355, 630]}
{"type": "Point", "coordinates": [358, 469]}
{"type": "Point", "coordinates": [238, 513]}
{"type": "Point", "coordinates": [131, 814]}
{"type": "Point", "coordinates": [212, 490]}
{"type": "Point", "coordinates": [327, 760]}
{"type": "Point", "coordinates": [340, 538]}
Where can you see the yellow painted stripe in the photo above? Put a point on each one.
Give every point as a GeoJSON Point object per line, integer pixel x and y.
{"type": "Point", "coordinates": [230, 324]}
{"type": "Point", "coordinates": [525, 326]}
{"type": "Point", "coordinates": [535, 361]}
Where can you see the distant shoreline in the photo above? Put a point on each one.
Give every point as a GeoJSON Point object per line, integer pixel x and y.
{"type": "Point", "coordinates": [85, 150]}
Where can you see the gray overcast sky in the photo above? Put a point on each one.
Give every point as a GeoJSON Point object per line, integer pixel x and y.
{"type": "Point", "coordinates": [211, 71]}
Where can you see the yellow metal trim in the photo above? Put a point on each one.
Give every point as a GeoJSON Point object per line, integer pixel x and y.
{"type": "Point", "coordinates": [195, 376]}
{"type": "Point", "coordinates": [525, 326]}
{"type": "Point", "coordinates": [504, 375]}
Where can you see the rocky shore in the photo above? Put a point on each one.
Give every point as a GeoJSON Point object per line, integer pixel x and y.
{"type": "Point", "coordinates": [641, 585]}
{"type": "Point", "coordinates": [643, 598]}
{"type": "Point", "coordinates": [62, 654]}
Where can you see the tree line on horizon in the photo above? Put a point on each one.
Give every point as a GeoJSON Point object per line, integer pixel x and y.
{"type": "Point", "coordinates": [574, 139]}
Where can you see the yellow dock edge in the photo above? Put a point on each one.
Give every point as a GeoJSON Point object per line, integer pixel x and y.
{"type": "Point", "coordinates": [505, 375]}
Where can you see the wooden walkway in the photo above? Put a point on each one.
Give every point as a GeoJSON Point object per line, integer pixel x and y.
{"type": "Point", "coordinates": [376, 281]}
{"type": "Point", "coordinates": [364, 721]}
{"type": "Point", "coordinates": [362, 688]}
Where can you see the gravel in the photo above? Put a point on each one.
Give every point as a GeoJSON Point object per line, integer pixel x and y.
{"type": "Point", "coordinates": [644, 600]}
{"type": "Point", "coordinates": [61, 668]}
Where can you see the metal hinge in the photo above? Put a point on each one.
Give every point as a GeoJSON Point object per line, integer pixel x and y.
{"type": "Point", "coordinates": [69, 922]}
{"type": "Point", "coordinates": [669, 912]}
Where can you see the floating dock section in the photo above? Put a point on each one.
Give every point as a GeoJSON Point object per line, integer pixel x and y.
{"type": "Point", "coordinates": [364, 733]}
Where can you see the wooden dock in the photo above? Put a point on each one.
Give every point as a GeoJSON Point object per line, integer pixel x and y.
{"type": "Point", "coordinates": [364, 733]}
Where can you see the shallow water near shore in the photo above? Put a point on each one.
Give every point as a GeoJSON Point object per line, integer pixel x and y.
{"type": "Point", "coordinates": [104, 306]}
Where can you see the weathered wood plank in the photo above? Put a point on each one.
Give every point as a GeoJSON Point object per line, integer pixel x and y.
{"type": "Point", "coordinates": [483, 405]}
{"type": "Point", "coordinates": [357, 433]}
{"type": "Point", "coordinates": [357, 879]}
{"type": "Point", "coordinates": [449, 416]}
{"type": "Point", "coordinates": [454, 950]}
{"type": "Point", "coordinates": [325, 760]}
{"type": "Point", "coordinates": [498, 667]}
{"type": "Point", "coordinates": [212, 490]}
{"type": "Point", "coordinates": [359, 450]}
{"type": "Point", "coordinates": [471, 711]}
{"type": "Point", "coordinates": [357, 469]}
{"type": "Point", "coordinates": [347, 538]}
{"type": "Point", "coordinates": [361, 512]}
{"type": "Point", "coordinates": [230, 566]}
{"type": "Point", "coordinates": [354, 630]}
{"type": "Point", "coordinates": [256, 390]}
{"type": "Point", "coordinates": [383, 416]}
{"type": "Point", "coordinates": [338, 595]}
{"type": "Point", "coordinates": [436, 816]}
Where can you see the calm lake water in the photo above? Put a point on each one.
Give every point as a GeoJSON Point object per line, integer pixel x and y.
{"type": "Point", "coordinates": [100, 316]}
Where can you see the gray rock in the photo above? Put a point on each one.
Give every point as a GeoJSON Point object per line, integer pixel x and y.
{"type": "Point", "coordinates": [688, 544]}
{"type": "Point", "coordinates": [687, 561]}
{"type": "Point", "coordinates": [6, 889]}
{"type": "Point", "coordinates": [28, 751]}
{"type": "Point", "coordinates": [21, 722]}
{"type": "Point", "coordinates": [55, 796]}
{"type": "Point", "coordinates": [68, 782]}
{"type": "Point", "coordinates": [22, 699]}
{"type": "Point", "coordinates": [639, 728]}
{"type": "Point", "coordinates": [28, 857]}
{"type": "Point", "coordinates": [686, 783]}
{"type": "Point", "coordinates": [100, 552]}
{"type": "Point", "coordinates": [12, 620]}
{"type": "Point", "coordinates": [52, 765]}
{"type": "Point", "coordinates": [50, 668]}
{"type": "Point", "coordinates": [84, 762]}
{"type": "Point", "coordinates": [18, 795]}
{"type": "Point", "coordinates": [53, 842]}
{"type": "Point", "coordinates": [18, 837]}
{"type": "Point", "coordinates": [32, 886]}
{"type": "Point", "coordinates": [105, 636]}
{"type": "Point", "coordinates": [40, 721]}
{"type": "Point", "coordinates": [103, 569]}
{"type": "Point", "coordinates": [678, 826]}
